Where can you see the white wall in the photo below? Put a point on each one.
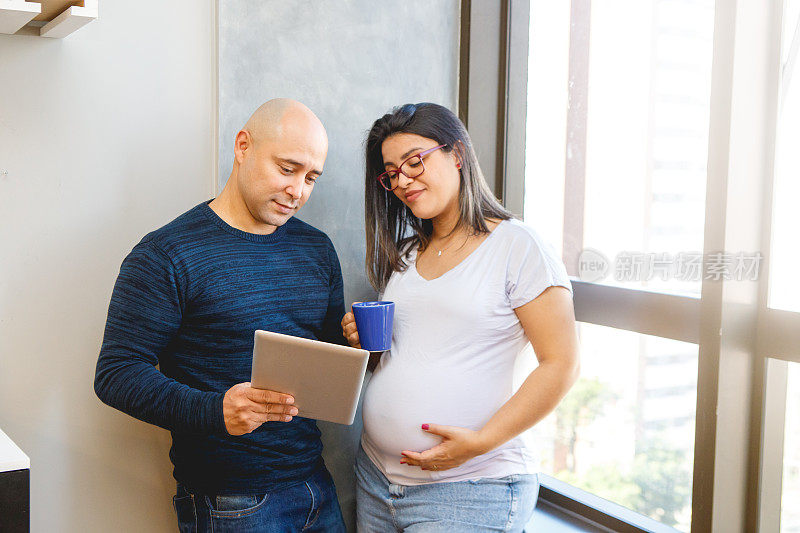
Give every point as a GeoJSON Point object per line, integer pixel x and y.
{"type": "Point", "coordinates": [105, 135]}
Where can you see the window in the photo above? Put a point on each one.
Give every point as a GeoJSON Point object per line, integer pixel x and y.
{"type": "Point", "coordinates": [617, 136]}
{"type": "Point", "coordinates": [784, 292]}
{"type": "Point", "coordinates": [625, 432]}
{"type": "Point", "coordinates": [615, 173]}
{"type": "Point", "coordinates": [660, 159]}
{"type": "Point", "coordinates": [790, 511]}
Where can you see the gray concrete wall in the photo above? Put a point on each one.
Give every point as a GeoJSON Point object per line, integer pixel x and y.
{"type": "Point", "coordinates": [350, 61]}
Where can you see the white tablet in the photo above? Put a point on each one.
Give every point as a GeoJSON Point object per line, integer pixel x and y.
{"type": "Point", "coordinates": [324, 379]}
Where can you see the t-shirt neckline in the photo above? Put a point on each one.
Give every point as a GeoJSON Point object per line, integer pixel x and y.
{"type": "Point", "coordinates": [464, 261]}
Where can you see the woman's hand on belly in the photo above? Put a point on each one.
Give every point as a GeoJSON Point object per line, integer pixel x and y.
{"type": "Point", "coordinates": [458, 446]}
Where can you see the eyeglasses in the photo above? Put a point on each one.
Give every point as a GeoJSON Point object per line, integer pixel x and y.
{"type": "Point", "coordinates": [413, 167]}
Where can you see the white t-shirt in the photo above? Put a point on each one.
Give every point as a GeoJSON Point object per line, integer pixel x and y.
{"type": "Point", "coordinates": [455, 341]}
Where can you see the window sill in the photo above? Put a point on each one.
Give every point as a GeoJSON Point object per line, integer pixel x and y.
{"type": "Point", "coordinates": [562, 507]}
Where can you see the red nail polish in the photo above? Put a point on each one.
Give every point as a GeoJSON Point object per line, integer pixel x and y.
{"type": "Point", "coordinates": [425, 427]}
{"type": "Point", "coordinates": [403, 462]}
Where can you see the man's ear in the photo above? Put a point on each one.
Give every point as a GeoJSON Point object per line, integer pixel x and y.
{"type": "Point", "coordinates": [243, 143]}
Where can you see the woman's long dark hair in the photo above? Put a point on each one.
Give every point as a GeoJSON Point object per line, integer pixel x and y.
{"type": "Point", "coordinates": [391, 227]}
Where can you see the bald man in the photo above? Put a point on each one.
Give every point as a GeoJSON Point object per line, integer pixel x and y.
{"type": "Point", "coordinates": [189, 297]}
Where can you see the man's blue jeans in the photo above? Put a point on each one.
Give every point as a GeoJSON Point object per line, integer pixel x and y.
{"type": "Point", "coordinates": [310, 506]}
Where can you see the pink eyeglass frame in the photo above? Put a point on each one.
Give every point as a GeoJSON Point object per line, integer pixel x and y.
{"type": "Point", "coordinates": [398, 171]}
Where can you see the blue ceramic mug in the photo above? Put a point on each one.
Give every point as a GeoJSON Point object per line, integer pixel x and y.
{"type": "Point", "coordinates": [374, 325]}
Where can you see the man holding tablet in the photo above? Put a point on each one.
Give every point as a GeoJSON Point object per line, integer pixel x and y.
{"type": "Point", "coordinates": [189, 298]}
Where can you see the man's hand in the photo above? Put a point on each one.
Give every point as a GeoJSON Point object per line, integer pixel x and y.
{"type": "Point", "coordinates": [246, 408]}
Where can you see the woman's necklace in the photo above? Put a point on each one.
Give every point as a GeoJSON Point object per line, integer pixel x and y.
{"type": "Point", "coordinates": [440, 250]}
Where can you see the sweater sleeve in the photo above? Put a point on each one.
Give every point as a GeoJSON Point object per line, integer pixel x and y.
{"type": "Point", "coordinates": [332, 325]}
{"type": "Point", "coordinates": [143, 317]}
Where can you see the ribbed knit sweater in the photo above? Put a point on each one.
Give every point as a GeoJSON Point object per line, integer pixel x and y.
{"type": "Point", "coordinates": [189, 298]}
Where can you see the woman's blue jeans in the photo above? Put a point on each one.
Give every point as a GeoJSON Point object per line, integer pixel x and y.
{"type": "Point", "coordinates": [486, 504]}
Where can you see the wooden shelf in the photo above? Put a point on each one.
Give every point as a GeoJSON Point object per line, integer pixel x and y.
{"type": "Point", "coordinates": [53, 8]}
{"type": "Point", "coordinates": [60, 17]}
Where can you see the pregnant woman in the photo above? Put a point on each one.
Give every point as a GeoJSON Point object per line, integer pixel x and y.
{"type": "Point", "coordinates": [472, 286]}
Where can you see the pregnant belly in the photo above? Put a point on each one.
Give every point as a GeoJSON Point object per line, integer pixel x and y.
{"type": "Point", "coordinates": [397, 403]}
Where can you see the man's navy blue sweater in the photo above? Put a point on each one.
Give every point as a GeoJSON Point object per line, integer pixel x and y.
{"type": "Point", "coordinates": [189, 298]}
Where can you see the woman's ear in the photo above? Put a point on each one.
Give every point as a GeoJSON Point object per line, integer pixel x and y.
{"type": "Point", "coordinates": [458, 151]}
